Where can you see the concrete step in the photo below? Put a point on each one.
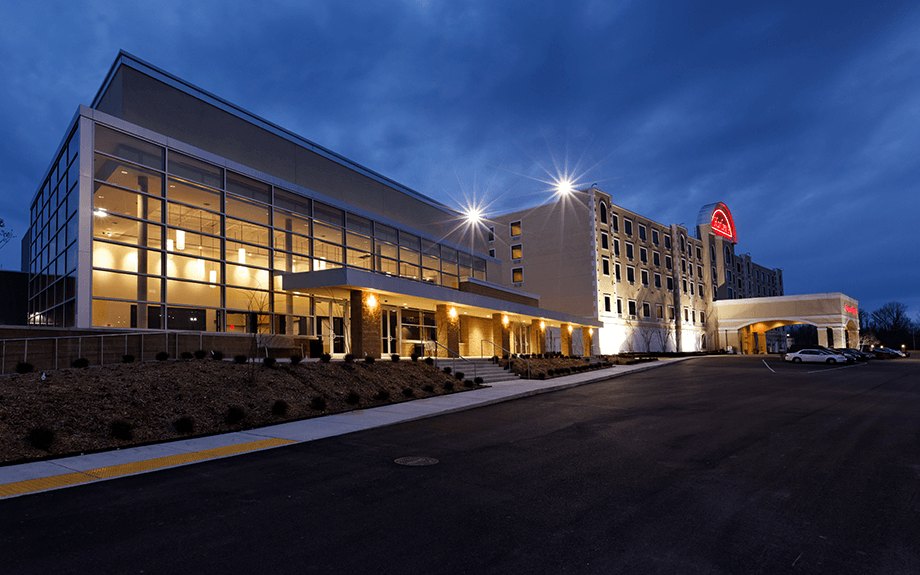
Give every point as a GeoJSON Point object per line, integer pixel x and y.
{"type": "Point", "coordinates": [488, 371]}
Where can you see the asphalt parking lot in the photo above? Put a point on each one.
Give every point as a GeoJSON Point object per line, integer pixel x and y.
{"type": "Point", "coordinates": [713, 465]}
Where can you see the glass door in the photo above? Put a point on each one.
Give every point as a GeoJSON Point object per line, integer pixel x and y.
{"type": "Point", "coordinates": [389, 328]}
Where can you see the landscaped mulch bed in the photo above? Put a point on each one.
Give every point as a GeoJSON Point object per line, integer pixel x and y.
{"type": "Point", "coordinates": [79, 406]}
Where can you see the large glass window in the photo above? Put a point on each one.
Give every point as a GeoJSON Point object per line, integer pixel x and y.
{"type": "Point", "coordinates": [125, 175]}
{"type": "Point", "coordinates": [107, 199]}
{"type": "Point", "coordinates": [128, 147]}
{"type": "Point", "coordinates": [195, 170]}
{"type": "Point", "coordinates": [249, 188]}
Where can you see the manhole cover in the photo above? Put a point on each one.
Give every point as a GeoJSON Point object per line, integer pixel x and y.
{"type": "Point", "coordinates": [415, 461]}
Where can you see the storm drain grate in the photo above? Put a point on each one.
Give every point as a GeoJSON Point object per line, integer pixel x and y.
{"type": "Point", "coordinates": [415, 461]}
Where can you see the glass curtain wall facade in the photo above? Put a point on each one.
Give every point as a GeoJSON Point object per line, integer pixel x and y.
{"type": "Point", "coordinates": [181, 243]}
{"type": "Point", "coordinates": [54, 234]}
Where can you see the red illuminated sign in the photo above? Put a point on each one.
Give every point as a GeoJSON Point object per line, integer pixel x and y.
{"type": "Point", "coordinates": [722, 223]}
{"type": "Point", "coordinates": [851, 309]}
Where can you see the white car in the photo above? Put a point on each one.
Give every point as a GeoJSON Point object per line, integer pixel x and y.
{"type": "Point", "coordinates": [815, 356]}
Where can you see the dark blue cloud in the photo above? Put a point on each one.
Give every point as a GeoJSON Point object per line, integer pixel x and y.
{"type": "Point", "coordinates": [803, 117]}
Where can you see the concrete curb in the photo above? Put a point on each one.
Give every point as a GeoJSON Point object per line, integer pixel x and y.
{"type": "Point", "coordinates": [27, 478]}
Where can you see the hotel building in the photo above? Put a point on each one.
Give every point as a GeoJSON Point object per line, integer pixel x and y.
{"type": "Point", "coordinates": [168, 208]}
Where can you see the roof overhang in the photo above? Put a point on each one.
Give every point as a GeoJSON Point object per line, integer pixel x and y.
{"type": "Point", "coordinates": [411, 293]}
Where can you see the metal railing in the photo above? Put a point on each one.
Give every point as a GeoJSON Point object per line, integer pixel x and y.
{"type": "Point", "coordinates": [503, 350]}
{"type": "Point", "coordinates": [455, 354]}
{"type": "Point", "coordinates": [101, 349]}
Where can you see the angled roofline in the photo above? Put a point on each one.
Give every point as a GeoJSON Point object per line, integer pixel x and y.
{"type": "Point", "coordinates": [132, 61]}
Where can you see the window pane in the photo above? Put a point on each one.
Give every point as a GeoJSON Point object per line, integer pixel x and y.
{"type": "Point", "coordinates": [326, 251]}
{"type": "Point", "coordinates": [327, 233]}
{"type": "Point", "coordinates": [246, 232]}
{"type": "Point", "coordinates": [191, 268]}
{"type": "Point", "coordinates": [193, 195]}
{"type": "Point", "coordinates": [291, 242]}
{"type": "Point", "coordinates": [247, 187]}
{"type": "Point", "coordinates": [127, 176]}
{"type": "Point", "coordinates": [193, 294]}
{"type": "Point", "coordinates": [123, 230]}
{"type": "Point", "coordinates": [195, 170]}
{"type": "Point", "coordinates": [385, 233]}
{"type": "Point", "coordinates": [328, 214]}
{"type": "Point", "coordinates": [247, 277]}
{"type": "Point", "coordinates": [358, 224]}
{"type": "Point", "coordinates": [290, 222]}
{"type": "Point", "coordinates": [247, 254]}
{"type": "Point", "coordinates": [128, 147]}
{"type": "Point", "coordinates": [247, 210]}
{"type": "Point", "coordinates": [193, 219]}
{"type": "Point", "coordinates": [359, 259]}
{"type": "Point", "coordinates": [292, 201]}
{"type": "Point", "coordinates": [192, 244]}
{"type": "Point", "coordinates": [359, 242]}
{"type": "Point", "coordinates": [107, 199]}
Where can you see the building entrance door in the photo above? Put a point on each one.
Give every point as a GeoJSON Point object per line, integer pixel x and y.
{"type": "Point", "coordinates": [389, 330]}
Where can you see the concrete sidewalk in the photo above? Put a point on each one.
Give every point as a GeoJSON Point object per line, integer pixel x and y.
{"type": "Point", "coordinates": [39, 476]}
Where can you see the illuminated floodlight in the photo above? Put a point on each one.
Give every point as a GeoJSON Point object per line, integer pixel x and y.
{"type": "Point", "coordinates": [473, 215]}
{"type": "Point", "coordinates": [100, 212]}
{"type": "Point", "coordinates": [564, 186]}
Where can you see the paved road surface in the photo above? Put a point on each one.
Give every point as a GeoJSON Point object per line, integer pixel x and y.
{"type": "Point", "coordinates": [714, 465]}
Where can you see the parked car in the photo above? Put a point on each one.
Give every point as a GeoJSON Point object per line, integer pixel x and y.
{"type": "Point", "coordinates": [851, 357]}
{"type": "Point", "coordinates": [859, 355]}
{"type": "Point", "coordinates": [888, 353]}
{"type": "Point", "coordinates": [815, 355]}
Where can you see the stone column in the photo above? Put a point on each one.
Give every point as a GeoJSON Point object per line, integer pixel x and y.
{"type": "Point", "coordinates": [537, 337]}
{"type": "Point", "coordinates": [822, 336]}
{"type": "Point", "coordinates": [747, 340]}
{"type": "Point", "coordinates": [565, 336]}
{"type": "Point", "coordinates": [501, 333]}
{"type": "Point", "coordinates": [447, 326]}
{"type": "Point", "coordinates": [587, 340]}
{"type": "Point", "coordinates": [840, 337]}
{"type": "Point", "coordinates": [365, 324]}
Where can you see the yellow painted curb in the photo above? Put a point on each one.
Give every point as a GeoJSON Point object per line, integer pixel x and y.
{"type": "Point", "coordinates": [66, 479]}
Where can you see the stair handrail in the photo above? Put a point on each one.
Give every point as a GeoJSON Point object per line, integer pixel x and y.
{"type": "Point", "coordinates": [508, 351]}
{"type": "Point", "coordinates": [456, 354]}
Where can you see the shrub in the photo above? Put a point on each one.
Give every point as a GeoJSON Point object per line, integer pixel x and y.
{"type": "Point", "coordinates": [269, 361]}
{"type": "Point", "coordinates": [468, 383]}
{"type": "Point", "coordinates": [352, 398]}
{"type": "Point", "coordinates": [382, 395]}
{"type": "Point", "coordinates": [448, 386]}
{"type": "Point", "coordinates": [240, 358]}
{"type": "Point", "coordinates": [348, 366]}
{"type": "Point", "coordinates": [217, 355]}
{"type": "Point", "coordinates": [505, 356]}
{"type": "Point", "coordinates": [121, 429]}
{"type": "Point", "coordinates": [394, 358]}
{"type": "Point", "coordinates": [162, 356]}
{"type": "Point", "coordinates": [428, 387]}
{"type": "Point", "coordinates": [349, 358]}
{"type": "Point", "coordinates": [325, 358]}
{"type": "Point", "coordinates": [200, 354]}
{"type": "Point", "coordinates": [447, 370]}
{"type": "Point", "coordinates": [40, 437]}
{"type": "Point", "coordinates": [296, 358]}
{"type": "Point", "coordinates": [280, 408]}
{"type": "Point", "coordinates": [318, 403]}
{"type": "Point", "coordinates": [478, 380]}
{"type": "Point", "coordinates": [186, 355]}
{"type": "Point", "coordinates": [408, 392]}
{"type": "Point", "coordinates": [184, 424]}
{"type": "Point", "coordinates": [414, 357]}
{"type": "Point", "coordinates": [494, 359]}
{"type": "Point", "coordinates": [24, 367]}
{"type": "Point", "coordinates": [369, 359]}
{"type": "Point", "coordinates": [429, 361]}
{"type": "Point", "coordinates": [234, 415]}
{"type": "Point", "coordinates": [459, 375]}
{"type": "Point", "coordinates": [81, 362]}
{"type": "Point", "coordinates": [127, 358]}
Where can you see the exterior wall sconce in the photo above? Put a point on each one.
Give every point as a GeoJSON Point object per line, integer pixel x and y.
{"type": "Point", "coordinates": [371, 302]}
{"type": "Point", "coordinates": [570, 328]}
{"type": "Point", "coordinates": [505, 320]}
{"type": "Point", "coordinates": [542, 325]}
{"type": "Point", "coordinates": [452, 313]}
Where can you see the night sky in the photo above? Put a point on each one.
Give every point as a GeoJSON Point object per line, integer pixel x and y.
{"type": "Point", "coordinates": [803, 117]}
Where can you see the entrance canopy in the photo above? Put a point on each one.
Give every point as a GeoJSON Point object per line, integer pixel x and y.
{"type": "Point", "coordinates": [480, 318]}
{"type": "Point", "coordinates": [741, 321]}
